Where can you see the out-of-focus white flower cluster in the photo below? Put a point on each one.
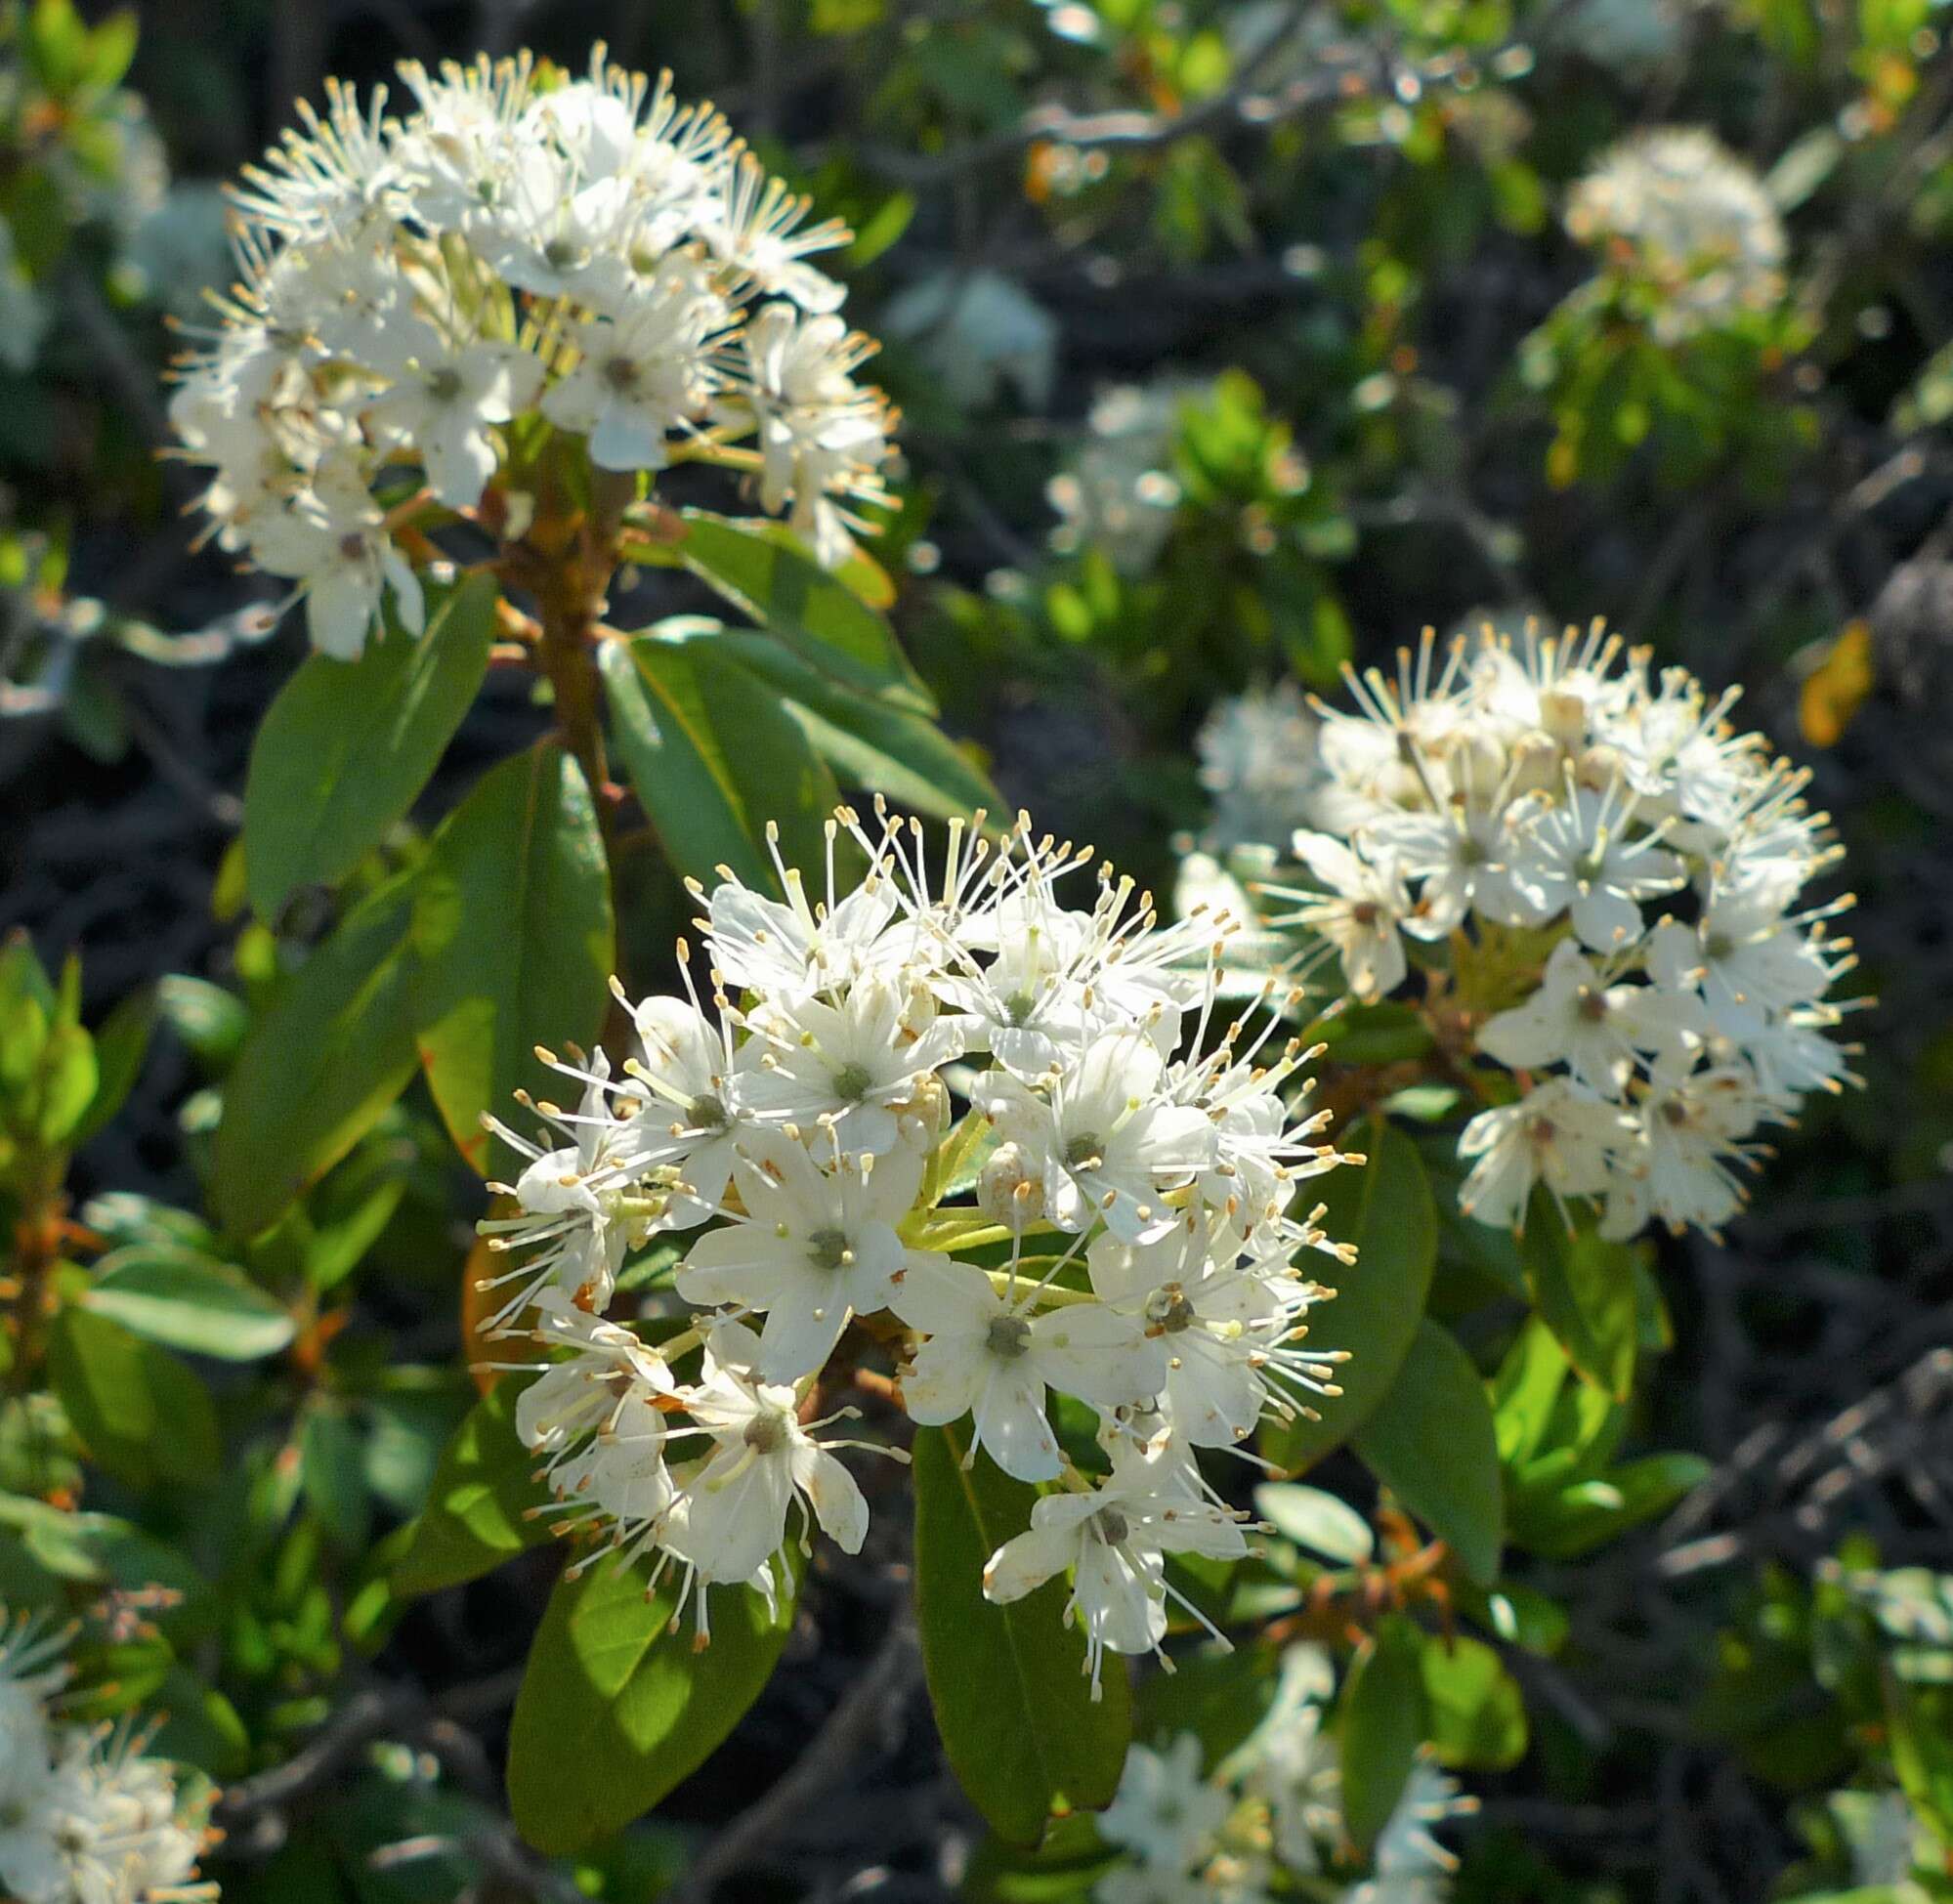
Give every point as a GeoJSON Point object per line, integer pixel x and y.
{"type": "Point", "coordinates": [1111, 1221]}
{"type": "Point", "coordinates": [1684, 214]}
{"type": "Point", "coordinates": [1595, 838]}
{"type": "Point", "coordinates": [1259, 760]}
{"type": "Point", "coordinates": [589, 249]}
{"type": "Point", "coordinates": [85, 1817]}
{"type": "Point", "coordinates": [1115, 494]}
{"type": "Point", "coordinates": [1269, 1814]}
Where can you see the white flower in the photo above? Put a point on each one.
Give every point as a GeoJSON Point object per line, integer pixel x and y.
{"type": "Point", "coordinates": [1558, 1134]}
{"type": "Point", "coordinates": [791, 949]}
{"type": "Point", "coordinates": [1106, 1142]}
{"type": "Point", "coordinates": [1746, 960]}
{"type": "Point", "coordinates": [1166, 1813]}
{"type": "Point", "coordinates": [732, 1517]}
{"type": "Point", "coordinates": [1676, 1166]}
{"type": "Point", "coordinates": [1578, 854]}
{"type": "Point", "coordinates": [1114, 1540]}
{"type": "Point", "coordinates": [569, 1206]}
{"type": "Point", "coordinates": [811, 1247]}
{"type": "Point", "coordinates": [644, 374]}
{"type": "Point", "coordinates": [994, 1359]}
{"type": "Point", "coordinates": [821, 434]}
{"type": "Point", "coordinates": [848, 1066]}
{"type": "Point", "coordinates": [1698, 222]}
{"type": "Point", "coordinates": [693, 1124]}
{"type": "Point", "coordinates": [333, 539]}
{"type": "Point", "coordinates": [1214, 1329]}
{"type": "Point", "coordinates": [1360, 913]}
{"type": "Point", "coordinates": [443, 403]}
{"type": "Point", "coordinates": [597, 1421]}
{"type": "Point", "coordinates": [752, 228]}
{"type": "Point", "coordinates": [1598, 1031]}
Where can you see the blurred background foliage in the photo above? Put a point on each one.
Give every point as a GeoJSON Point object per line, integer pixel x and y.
{"type": "Point", "coordinates": [1238, 340]}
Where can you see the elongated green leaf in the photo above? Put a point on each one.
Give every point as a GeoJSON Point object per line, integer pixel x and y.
{"type": "Point", "coordinates": [761, 766]}
{"type": "Point", "coordinates": [348, 745]}
{"type": "Point", "coordinates": [765, 572]}
{"type": "Point", "coordinates": [189, 1302]}
{"type": "Point", "coordinates": [319, 1069]}
{"type": "Point", "coordinates": [1385, 1209]}
{"type": "Point", "coordinates": [1477, 1714]}
{"type": "Point", "coordinates": [1584, 1288]}
{"type": "Point", "coordinates": [142, 1413]}
{"type": "Point", "coordinates": [512, 939]}
{"type": "Point", "coordinates": [1379, 1723]}
{"type": "Point", "coordinates": [121, 1043]}
{"type": "Point", "coordinates": [615, 1709]}
{"type": "Point", "coordinates": [681, 771]}
{"type": "Point", "coordinates": [477, 1512]}
{"type": "Point", "coordinates": [867, 742]}
{"type": "Point", "coordinates": [1432, 1443]}
{"type": "Point", "coordinates": [1012, 1700]}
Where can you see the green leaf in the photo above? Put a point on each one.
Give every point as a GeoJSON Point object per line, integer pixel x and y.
{"type": "Point", "coordinates": [1380, 1725]}
{"type": "Point", "coordinates": [333, 1457]}
{"type": "Point", "coordinates": [683, 775]}
{"type": "Point", "coordinates": [1433, 1444]}
{"type": "Point", "coordinates": [1385, 1209]}
{"type": "Point", "coordinates": [1316, 1520]}
{"type": "Point", "coordinates": [762, 570]}
{"type": "Point", "coordinates": [1013, 1702]}
{"type": "Point", "coordinates": [1588, 1513]}
{"type": "Point", "coordinates": [140, 1413]}
{"type": "Point", "coordinates": [615, 1709]}
{"type": "Point", "coordinates": [120, 1045]}
{"type": "Point", "coordinates": [729, 758]}
{"type": "Point", "coordinates": [477, 1512]}
{"type": "Point", "coordinates": [348, 745]}
{"type": "Point", "coordinates": [1584, 1287]}
{"type": "Point", "coordinates": [869, 743]}
{"type": "Point", "coordinates": [511, 939]}
{"type": "Point", "coordinates": [1477, 1714]}
{"type": "Point", "coordinates": [321, 1067]}
{"type": "Point", "coordinates": [189, 1302]}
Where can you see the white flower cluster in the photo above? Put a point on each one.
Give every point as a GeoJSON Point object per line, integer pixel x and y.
{"type": "Point", "coordinates": [1553, 822]}
{"type": "Point", "coordinates": [1114, 495]}
{"type": "Point", "coordinates": [1688, 216]}
{"type": "Point", "coordinates": [588, 249]}
{"type": "Point", "coordinates": [1259, 760]}
{"type": "Point", "coordinates": [1126, 1236]}
{"type": "Point", "coordinates": [1271, 1812]}
{"type": "Point", "coordinates": [85, 1817]}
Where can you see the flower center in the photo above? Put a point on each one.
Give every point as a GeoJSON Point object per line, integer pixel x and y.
{"type": "Point", "coordinates": [707, 1112]}
{"type": "Point", "coordinates": [1674, 1112]}
{"type": "Point", "coordinates": [1111, 1525]}
{"type": "Point", "coordinates": [1168, 1311]}
{"type": "Point", "coordinates": [445, 385]}
{"type": "Point", "coordinates": [1717, 946]}
{"type": "Point", "coordinates": [621, 373]}
{"type": "Point", "coordinates": [853, 1082]}
{"type": "Point", "coordinates": [559, 253]}
{"type": "Point", "coordinates": [1364, 911]}
{"type": "Point", "coordinates": [1590, 1004]}
{"type": "Point", "coordinates": [1007, 1338]}
{"type": "Point", "coordinates": [828, 1250]}
{"type": "Point", "coordinates": [767, 1432]}
{"type": "Point", "coordinates": [1019, 1006]}
{"type": "Point", "coordinates": [1086, 1151]}
{"type": "Point", "coordinates": [1591, 865]}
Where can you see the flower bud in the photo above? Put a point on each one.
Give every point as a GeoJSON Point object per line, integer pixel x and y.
{"type": "Point", "coordinates": [1008, 1191]}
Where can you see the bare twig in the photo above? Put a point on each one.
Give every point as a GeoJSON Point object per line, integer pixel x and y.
{"type": "Point", "coordinates": [872, 1700]}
